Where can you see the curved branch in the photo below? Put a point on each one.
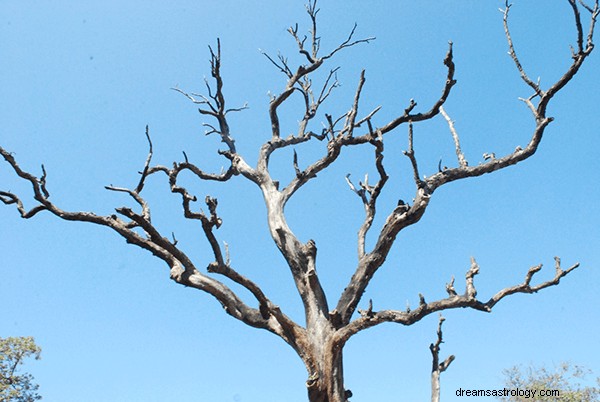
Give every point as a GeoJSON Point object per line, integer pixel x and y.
{"type": "Point", "coordinates": [513, 54]}
{"type": "Point", "coordinates": [407, 116]}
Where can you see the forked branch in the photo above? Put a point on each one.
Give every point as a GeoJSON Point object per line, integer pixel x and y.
{"type": "Point", "coordinates": [213, 104]}
{"type": "Point", "coordinates": [369, 194]}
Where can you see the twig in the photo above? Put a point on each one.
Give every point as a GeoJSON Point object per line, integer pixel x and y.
{"type": "Point", "coordinates": [462, 162]}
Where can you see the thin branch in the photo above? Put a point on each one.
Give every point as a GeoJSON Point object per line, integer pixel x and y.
{"type": "Point", "coordinates": [578, 25]}
{"type": "Point", "coordinates": [410, 153]}
{"type": "Point", "coordinates": [203, 101]}
{"type": "Point", "coordinates": [462, 162]}
{"type": "Point", "coordinates": [594, 16]}
{"type": "Point", "coordinates": [326, 90]}
{"type": "Point", "coordinates": [587, 7]}
{"type": "Point", "coordinates": [578, 60]}
{"type": "Point", "coordinates": [144, 172]}
{"type": "Point", "coordinates": [368, 312]}
{"type": "Point", "coordinates": [360, 192]}
{"type": "Point", "coordinates": [349, 43]}
{"type": "Point", "coordinates": [136, 196]}
{"type": "Point", "coordinates": [526, 287]}
{"type": "Point", "coordinates": [216, 101]}
{"type": "Point", "coordinates": [314, 62]}
{"type": "Point", "coordinates": [350, 120]}
{"type": "Point", "coordinates": [370, 204]}
{"type": "Point", "coordinates": [312, 10]}
{"type": "Point", "coordinates": [295, 163]}
{"type": "Point", "coordinates": [450, 288]}
{"type": "Point", "coordinates": [513, 54]}
{"type": "Point", "coordinates": [9, 198]}
{"type": "Point", "coordinates": [367, 119]}
{"type": "Point", "coordinates": [237, 109]}
{"type": "Point", "coordinates": [416, 117]}
{"type": "Point", "coordinates": [281, 66]}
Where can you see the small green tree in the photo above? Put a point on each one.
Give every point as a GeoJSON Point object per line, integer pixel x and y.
{"type": "Point", "coordinates": [567, 379]}
{"type": "Point", "coordinates": [17, 387]}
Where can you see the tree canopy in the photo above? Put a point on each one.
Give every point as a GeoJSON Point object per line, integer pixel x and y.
{"type": "Point", "coordinates": [17, 386]}
{"type": "Point", "coordinates": [571, 381]}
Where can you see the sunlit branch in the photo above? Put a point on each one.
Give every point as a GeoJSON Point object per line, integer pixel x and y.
{"type": "Point", "coordinates": [462, 162]}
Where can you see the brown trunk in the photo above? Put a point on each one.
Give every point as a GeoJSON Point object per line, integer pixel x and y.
{"type": "Point", "coordinates": [326, 380]}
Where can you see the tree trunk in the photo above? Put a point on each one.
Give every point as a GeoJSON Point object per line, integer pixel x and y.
{"type": "Point", "coordinates": [329, 386]}
{"type": "Point", "coordinates": [435, 386]}
{"type": "Point", "coordinates": [326, 373]}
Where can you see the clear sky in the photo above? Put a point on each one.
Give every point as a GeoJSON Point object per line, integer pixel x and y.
{"type": "Point", "coordinates": [80, 80]}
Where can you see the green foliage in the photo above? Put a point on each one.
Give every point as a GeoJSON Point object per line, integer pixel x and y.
{"type": "Point", "coordinates": [15, 387]}
{"type": "Point", "coordinates": [570, 380]}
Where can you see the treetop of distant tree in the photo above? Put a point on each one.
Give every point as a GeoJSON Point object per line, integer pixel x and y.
{"type": "Point", "coordinates": [570, 380]}
{"type": "Point", "coordinates": [16, 386]}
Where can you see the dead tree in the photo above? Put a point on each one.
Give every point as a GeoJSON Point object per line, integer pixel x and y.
{"type": "Point", "coordinates": [438, 368]}
{"type": "Point", "coordinates": [319, 341]}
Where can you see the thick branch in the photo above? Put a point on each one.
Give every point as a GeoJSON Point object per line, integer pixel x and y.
{"type": "Point", "coordinates": [182, 269]}
{"type": "Point", "coordinates": [467, 299]}
{"type": "Point", "coordinates": [401, 218]}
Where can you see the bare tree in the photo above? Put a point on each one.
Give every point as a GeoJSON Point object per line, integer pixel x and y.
{"type": "Point", "coordinates": [438, 368]}
{"type": "Point", "coordinates": [327, 328]}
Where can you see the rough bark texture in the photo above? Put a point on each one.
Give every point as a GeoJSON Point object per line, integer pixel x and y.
{"type": "Point", "coordinates": [319, 343]}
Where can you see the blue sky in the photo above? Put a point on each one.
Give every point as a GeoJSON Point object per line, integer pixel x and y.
{"type": "Point", "coordinates": [80, 80]}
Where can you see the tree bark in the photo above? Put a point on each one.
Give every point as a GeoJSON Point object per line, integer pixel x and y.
{"type": "Point", "coordinates": [326, 377]}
